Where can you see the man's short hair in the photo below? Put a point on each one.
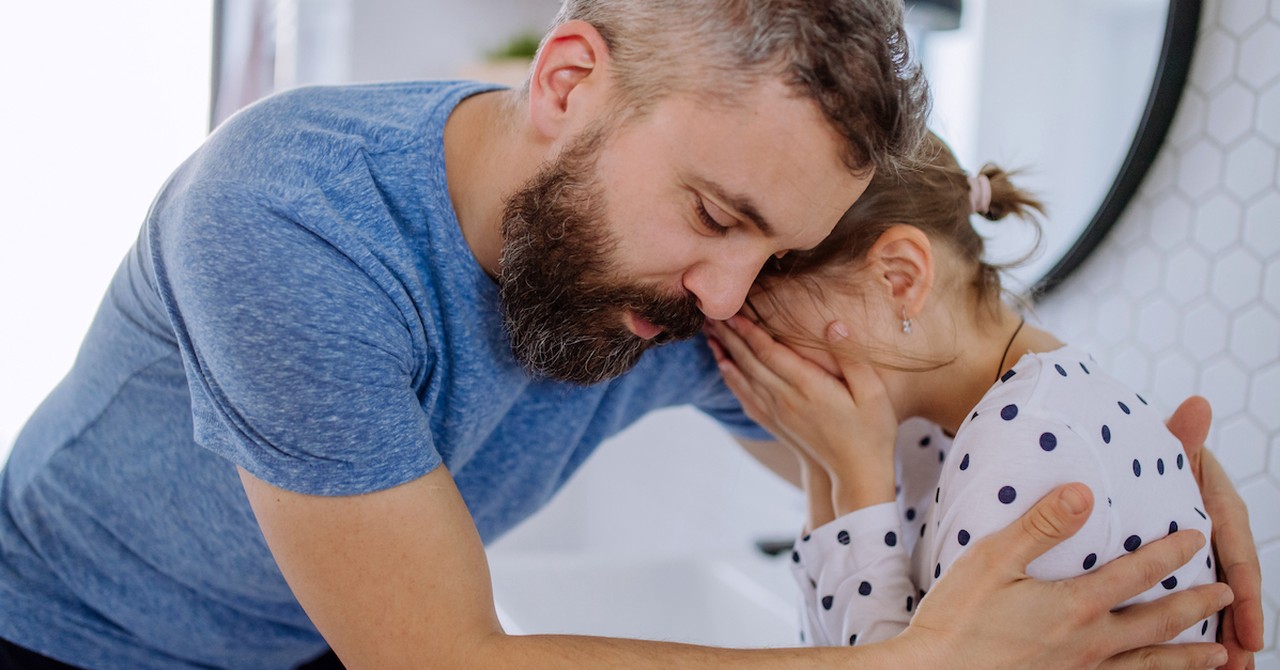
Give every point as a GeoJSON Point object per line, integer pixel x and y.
{"type": "Point", "coordinates": [850, 57]}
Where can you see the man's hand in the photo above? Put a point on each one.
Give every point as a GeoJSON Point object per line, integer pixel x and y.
{"type": "Point", "coordinates": [986, 611]}
{"type": "Point", "coordinates": [1232, 539]}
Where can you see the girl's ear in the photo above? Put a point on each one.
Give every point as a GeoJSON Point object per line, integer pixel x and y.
{"type": "Point", "coordinates": [568, 79]}
{"type": "Point", "coordinates": [902, 259]}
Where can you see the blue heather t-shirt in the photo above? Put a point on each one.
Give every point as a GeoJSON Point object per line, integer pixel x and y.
{"type": "Point", "coordinates": [301, 303]}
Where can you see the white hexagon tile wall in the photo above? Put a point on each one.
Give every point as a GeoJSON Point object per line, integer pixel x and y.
{"type": "Point", "coordinates": [1183, 296]}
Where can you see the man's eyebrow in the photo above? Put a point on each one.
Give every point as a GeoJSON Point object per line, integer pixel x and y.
{"type": "Point", "coordinates": [742, 204]}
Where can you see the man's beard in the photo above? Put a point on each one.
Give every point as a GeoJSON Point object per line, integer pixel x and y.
{"type": "Point", "coordinates": [562, 308]}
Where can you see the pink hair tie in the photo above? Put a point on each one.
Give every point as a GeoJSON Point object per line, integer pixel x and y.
{"type": "Point", "coordinates": [979, 194]}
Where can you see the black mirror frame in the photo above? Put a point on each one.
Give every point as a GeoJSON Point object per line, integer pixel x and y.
{"type": "Point", "coordinates": [1181, 28]}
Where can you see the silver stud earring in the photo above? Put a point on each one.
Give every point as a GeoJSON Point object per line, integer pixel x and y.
{"type": "Point", "coordinates": [906, 323]}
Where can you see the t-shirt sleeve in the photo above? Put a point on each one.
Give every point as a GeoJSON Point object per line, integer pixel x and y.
{"type": "Point", "coordinates": [854, 578]}
{"type": "Point", "coordinates": [300, 365]}
{"type": "Point", "coordinates": [1000, 467]}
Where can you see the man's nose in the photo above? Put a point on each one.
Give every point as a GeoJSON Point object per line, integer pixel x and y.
{"type": "Point", "coordinates": [721, 286]}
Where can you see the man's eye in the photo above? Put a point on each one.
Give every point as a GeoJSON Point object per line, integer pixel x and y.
{"type": "Point", "coordinates": [708, 222]}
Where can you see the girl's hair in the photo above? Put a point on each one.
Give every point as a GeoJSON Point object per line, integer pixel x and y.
{"type": "Point", "coordinates": [934, 196]}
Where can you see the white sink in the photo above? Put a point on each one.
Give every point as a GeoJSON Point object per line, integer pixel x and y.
{"type": "Point", "coordinates": [726, 601]}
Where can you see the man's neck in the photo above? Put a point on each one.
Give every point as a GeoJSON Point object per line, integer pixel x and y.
{"type": "Point", "coordinates": [489, 153]}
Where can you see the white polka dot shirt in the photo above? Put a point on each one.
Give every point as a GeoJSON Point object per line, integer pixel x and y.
{"type": "Point", "coordinates": [1054, 418]}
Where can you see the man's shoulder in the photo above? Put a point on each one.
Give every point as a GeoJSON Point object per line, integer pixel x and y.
{"type": "Point", "coordinates": [308, 133]}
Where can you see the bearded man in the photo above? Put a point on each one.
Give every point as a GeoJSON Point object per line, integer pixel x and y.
{"type": "Point", "coordinates": [367, 329]}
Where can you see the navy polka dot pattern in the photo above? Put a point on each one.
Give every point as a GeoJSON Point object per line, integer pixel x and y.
{"type": "Point", "coordinates": [1007, 494]}
{"type": "Point", "coordinates": [1007, 376]}
{"type": "Point", "coordinates": [1028, 450]}
{"type": "Point", "coordinates": [853, 640]}
{"type": "Point", "coordinates": [795, 557]}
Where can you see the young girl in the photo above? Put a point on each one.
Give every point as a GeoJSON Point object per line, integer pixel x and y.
{"type": "Point", "coordinates": [927, 413]}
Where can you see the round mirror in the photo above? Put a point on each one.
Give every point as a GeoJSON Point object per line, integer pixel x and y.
{"type": "Point", "coordinates": [1077, 94]}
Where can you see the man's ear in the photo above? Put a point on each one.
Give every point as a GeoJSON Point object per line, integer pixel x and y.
{"type": "Point", "coordinates": [569, 80]}
{"type": "Point", "coordinates": [903, 260]}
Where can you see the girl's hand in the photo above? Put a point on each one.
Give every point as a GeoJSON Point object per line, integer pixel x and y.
{"type": "Point", "coordinates": [846, 424]}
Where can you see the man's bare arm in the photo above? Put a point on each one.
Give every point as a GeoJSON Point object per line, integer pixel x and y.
{"type": "Point", "coordinates": [398, 579]}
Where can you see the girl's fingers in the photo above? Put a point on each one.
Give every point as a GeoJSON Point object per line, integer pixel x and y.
{"type": "Point", "coordinates": [717, 350]}
{"type": "Point", "coordinates": [789, 366]}
{"type": "Point", "coordinates": [755, 371]}
{"type": "Point", "coordinates": [752, 404]}
{"type": "Point", "coordinates": [863, 382]}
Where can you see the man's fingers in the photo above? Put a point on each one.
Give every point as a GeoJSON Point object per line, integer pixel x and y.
{"type": "Point", "coordinates": [1051, 520]}
{"type": "Point", "coordinates": [1190, 424]}
{"type": "Point", "coordinates": [1161, 620]}
{"type": "Point", "coordinates": [1130, 575]}
{"type": "Point", "coordinates": [1244, 578]}
{"type": "Point", "coordinates": [1169, 657]}
{"type": "Point", "coordinates": [1237, 553]}
{"type": "Point", "coordinates": [1238, 658]}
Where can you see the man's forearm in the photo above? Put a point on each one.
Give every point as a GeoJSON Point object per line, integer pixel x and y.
{"type": "Point", "coordinates": [570, 652]}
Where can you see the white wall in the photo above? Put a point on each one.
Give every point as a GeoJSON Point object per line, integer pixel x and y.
{"type": "Point", "coordinates": [101, 101]}
{"type": "Point", "coordinates": [1184, 296]}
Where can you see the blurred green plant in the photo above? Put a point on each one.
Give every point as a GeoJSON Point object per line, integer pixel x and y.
{"type": "Point", "coordinates": [523, 45]}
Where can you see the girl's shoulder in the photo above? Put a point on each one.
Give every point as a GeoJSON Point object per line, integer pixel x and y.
{"type": "Point", "coordinates": [1065, 386]}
